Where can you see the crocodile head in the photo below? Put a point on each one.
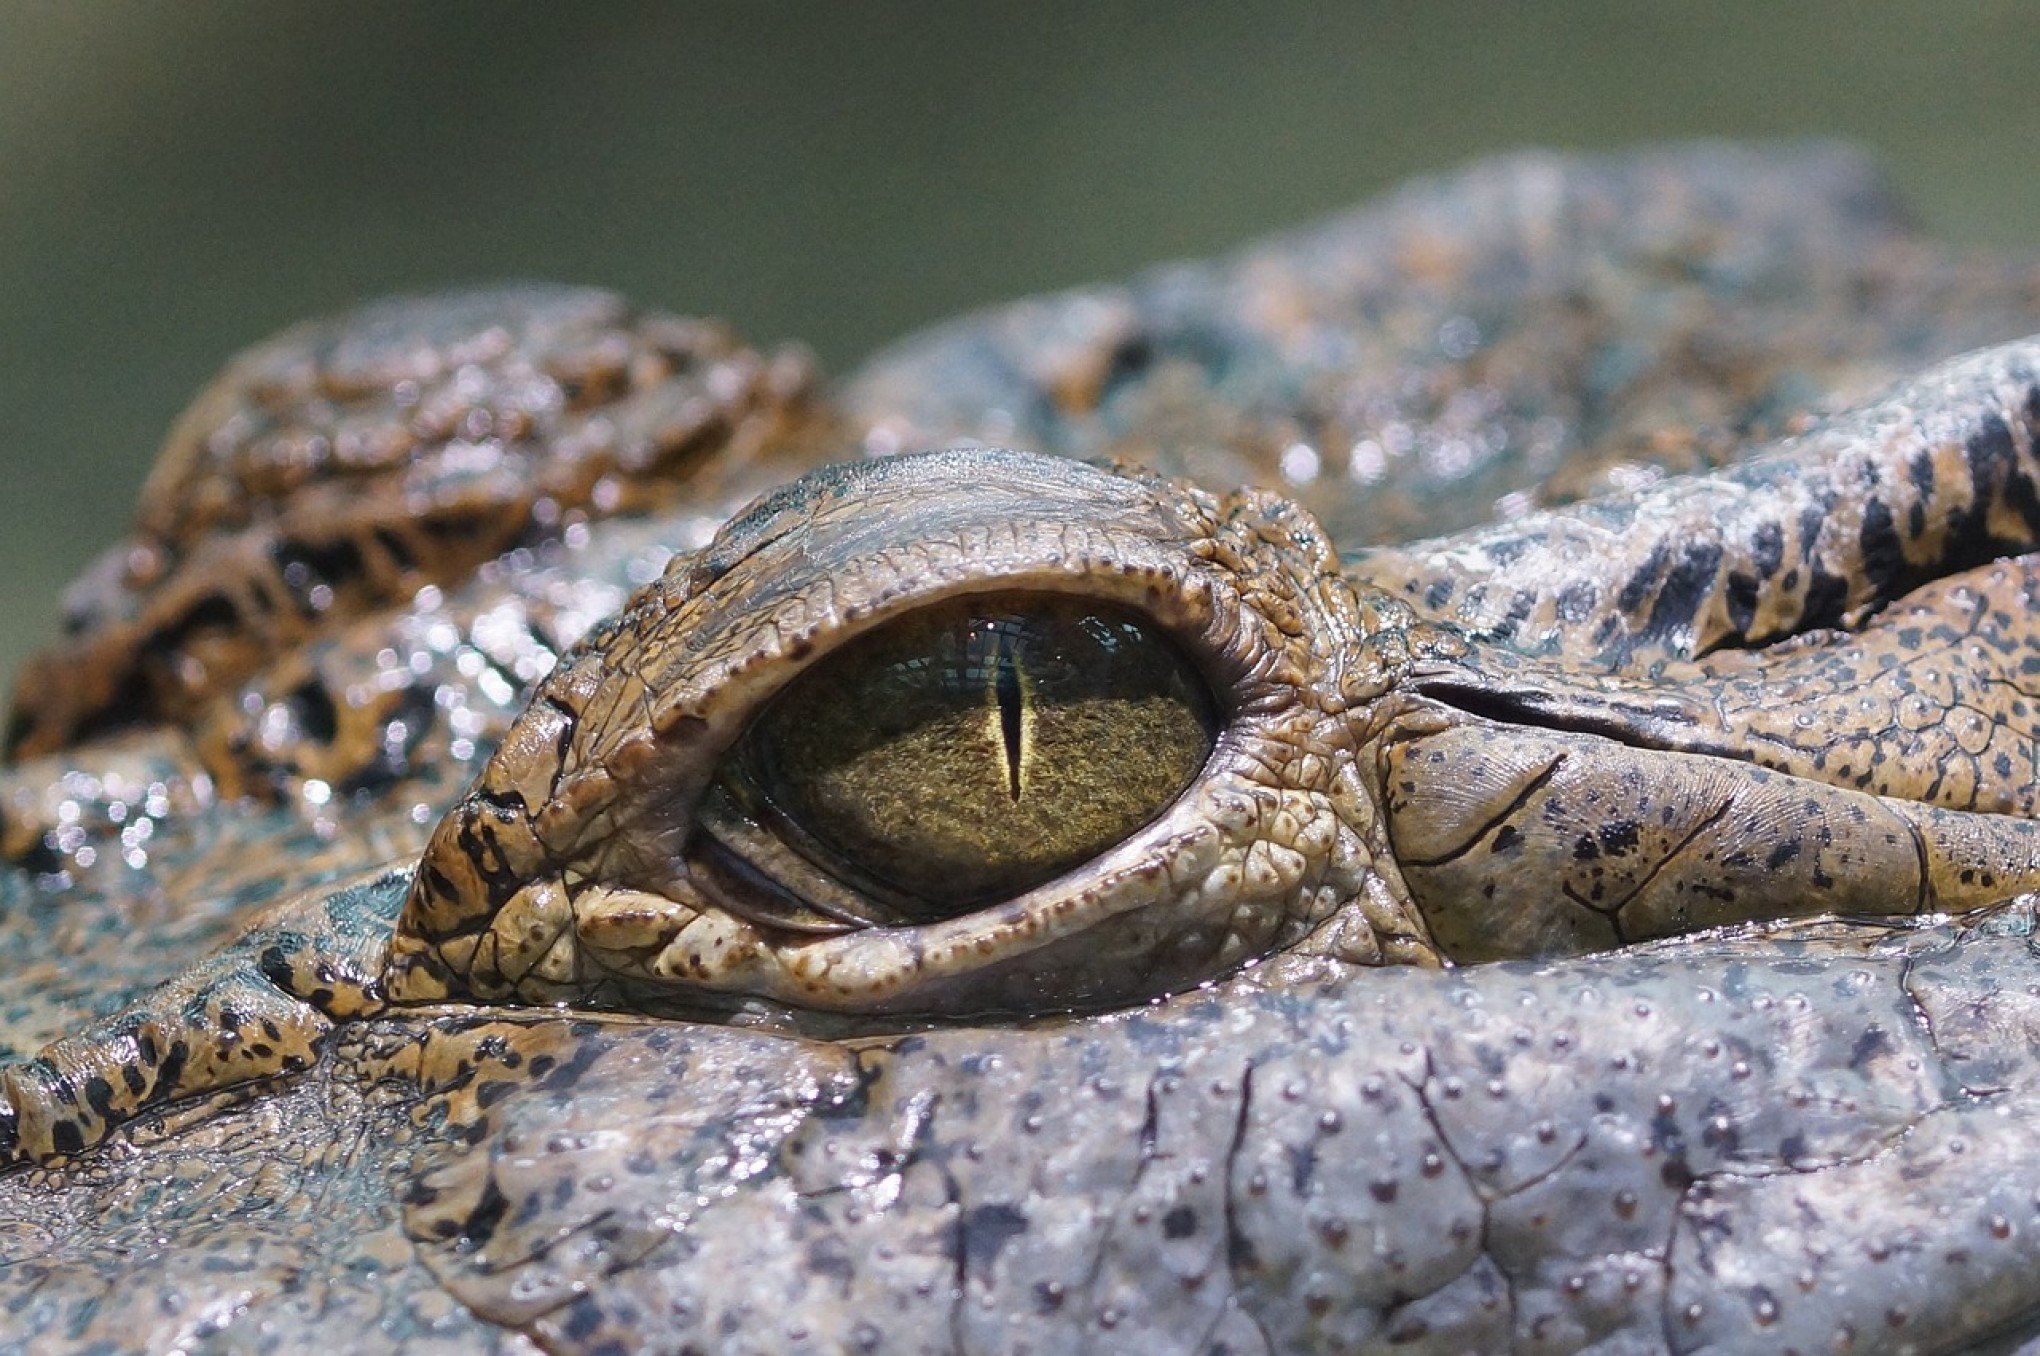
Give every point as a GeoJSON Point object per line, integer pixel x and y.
{"type": "Point", "coordinates": [983, 732]}
{"type": "Point", "coordinates": [947, 906]}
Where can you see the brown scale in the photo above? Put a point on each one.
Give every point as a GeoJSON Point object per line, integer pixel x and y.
{"type": "Point", "coordinates": [336, 470]}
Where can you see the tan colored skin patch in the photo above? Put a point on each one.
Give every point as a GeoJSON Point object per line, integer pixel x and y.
{"type": "Point", "coordinates": [1251, 855]}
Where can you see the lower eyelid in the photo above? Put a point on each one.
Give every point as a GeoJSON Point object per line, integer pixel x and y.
{"type": "Point", "coordinates": [775, 884]}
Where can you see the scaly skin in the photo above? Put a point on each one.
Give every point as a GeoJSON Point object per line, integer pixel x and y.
{"type": "Point", "coordinates": [1762, 696]}
{"type": "Point", "coordinates": [1375, 782]}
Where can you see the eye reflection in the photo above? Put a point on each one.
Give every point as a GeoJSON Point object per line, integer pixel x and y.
{"type": "Point", "coordinates": [966, 753]}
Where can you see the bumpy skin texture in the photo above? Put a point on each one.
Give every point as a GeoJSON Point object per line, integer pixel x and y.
{"type": "Point", "coordinates": [1799, 1138]}
{"type": "Point", "coordinates": [1382, 779]}
{"type": "Point", "coordinates": [597, 783]}
{"type": "Point", "coordinates": [338, 469]}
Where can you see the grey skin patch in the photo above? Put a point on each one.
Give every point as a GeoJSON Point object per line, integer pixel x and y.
{"type": "Point", "coordinates": [1509, 1156]}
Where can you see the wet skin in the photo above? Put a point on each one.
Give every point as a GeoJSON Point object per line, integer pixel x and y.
{"type": "Point", "coordinates": [1001, 902]}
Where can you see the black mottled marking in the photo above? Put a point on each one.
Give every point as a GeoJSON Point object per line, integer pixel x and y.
{"type": "Point", "coordinates": [584, 1318]}
{"type": "Point", "coordinates": [1666, 1134]}
{"type": "Point", "coordinates": [477, 843]}
{"type": "Point", "coordinates": [1520, 608]}
{"type": "Point", "coordinates": [1827, 600]}
{"type": "Point", "coordinates": [1990, 452]}
{"type": "Point", "coordinates": [303, 565]}
{"type": "Point", "coordinates": [1508, 551]}
{"type": "Point", "coordinates": [67, 1137]}
{"type": "Point", "coordinates": [1767, 550]}
{"type": "Point", "coordinates": [1991, 458]}
{"type": "Point", "coordinates": [1782, 854]}
{"type": "Point", "coordinates": [1438, 594]}
{"type": "Point", "coordinates": [319, 716]}
{"type": "Point", "coordinates": [42, 858]}
{"type": "Point", "coordinates": [1575, 602]}
{"type": "Point", "coordinates": [830, 1256]}
{"type": "Point", "coordinates": [463, 526]}
{"type": "Point", "coordinates": [1884, 561]}
{"type": "Point", "coordinates": [1619, 838]}
{"type": "Point", "coordinates": [1302, 1164]}
{"type": "Point", "coordinates": [1739, 593]}
{"type": "Point", "coordinates": [1810, 519]}
{"type": "Point", "coordinates": [436, 880]}
{"type": "Point", "coordinates": [172, 1068]}
{"type": "Point", "coordinates": [1920, 470]}
{"type": "Point", "coordinates": [396, 548]}
{"type": "Point", "coordinates": [1644, 580]}
{"type": "Point", "coordinates": [99, 1096]}
{"type": "Point", "coordinates": [1686, 588]}
{"type": "Point", "coordinates": [215, 611]}
{"type": "Point", "coordinates": [1506, 837]}
{"type": "Point", "coordinates": [275, 966]}
{"type": "Point", "coordinates": [2019, 490]}
{"type": "Point", "coordinates": [493, 1091]}
{"type": "Point", "coordinates": [1180, 1222]}
{"type": "Point", "coordinates": [1872, 1043]}
{"type": "Point", "coordinates": [986, 1230]}
{"type": "Point", "coordinates": [1130, 361]}
{"type": "Point", "coordinates": [568, 1074]}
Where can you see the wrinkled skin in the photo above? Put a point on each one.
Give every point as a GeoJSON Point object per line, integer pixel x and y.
{"type": "Point", "coordinates": [1182, 1097]}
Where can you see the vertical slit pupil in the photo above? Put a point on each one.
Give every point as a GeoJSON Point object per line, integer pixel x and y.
{"type": "Point", "coordinates": [1007, 685]}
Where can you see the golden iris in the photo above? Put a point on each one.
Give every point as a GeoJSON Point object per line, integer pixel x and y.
{"type": "Point", "coordinates": [975, 749]}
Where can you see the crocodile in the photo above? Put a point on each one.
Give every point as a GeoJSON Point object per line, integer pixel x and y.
{"type": "Point", "coordinates": [560, 830]}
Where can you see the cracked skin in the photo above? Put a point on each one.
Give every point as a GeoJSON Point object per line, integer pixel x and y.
{"type": "Point", "coordinates": [1588, 915]}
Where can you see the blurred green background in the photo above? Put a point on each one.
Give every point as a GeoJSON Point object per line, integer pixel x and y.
{"type": "Point", "coordinates": [177, 181]}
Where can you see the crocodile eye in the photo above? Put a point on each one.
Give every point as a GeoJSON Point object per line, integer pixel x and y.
{"type": "Point", "coordinates": [962, 754]}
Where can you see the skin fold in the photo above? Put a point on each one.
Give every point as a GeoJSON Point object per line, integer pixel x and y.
{"type": "Point", "coordinates": [1599, 921]}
